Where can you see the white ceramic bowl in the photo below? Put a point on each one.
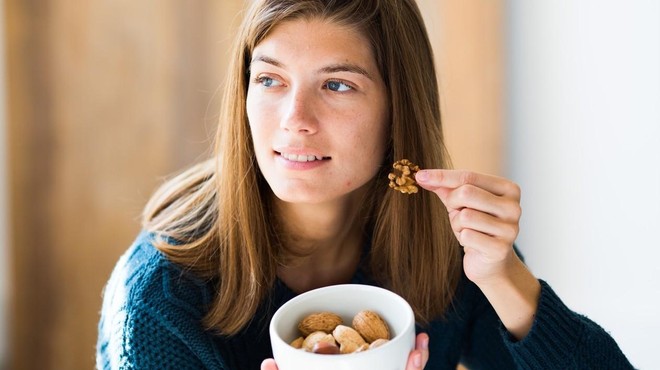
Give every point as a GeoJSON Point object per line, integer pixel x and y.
{"type": "Point", "coordinates": [345, 300]}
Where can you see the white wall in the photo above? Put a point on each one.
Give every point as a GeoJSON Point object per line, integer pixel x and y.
{"type": "Point", "coordinates": [584, 144]}
{"type": "Point", "coordinates": [3, 201]}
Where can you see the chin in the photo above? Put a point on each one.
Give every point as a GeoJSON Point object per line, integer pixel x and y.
{"type": "Point", "coordinates": [298, 196]}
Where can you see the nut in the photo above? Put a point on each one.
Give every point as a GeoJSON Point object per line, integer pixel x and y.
{"type": "Point", "coordinates": [378, 343]}
{"type": "Point", "coordinates": [298, 342]}
{"type": "Point", "coordinates": [349, 339]}
{"type": "Point", "coordinates": [402, 178]}
{"type": "Point", "coordinates": [321, 321]}
{"type": "Point", "coordinates": [314, 338]}
{"type": "Point", "coordinates": [325, 348]}
{"type": "Point", "coordinates": [370, 326]}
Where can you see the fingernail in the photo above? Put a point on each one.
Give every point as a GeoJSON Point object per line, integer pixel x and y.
{"type": "Point", "coordinates": [422, 175]}
{"type": "Point", "coordinates": [417, 360]}
{"type": "Point", "coordinates": [425, 343]}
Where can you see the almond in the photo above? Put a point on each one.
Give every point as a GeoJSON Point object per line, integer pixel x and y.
{"type": "Point", "coordinates": [370, 326]}
{"type": "Point", "coordinates": [321, 321]}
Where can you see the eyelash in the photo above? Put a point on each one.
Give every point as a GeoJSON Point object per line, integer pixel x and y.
{"type": "Point", "coordinates": [350, 87]}
{"type": "Point", "coordinates": [261, 78]}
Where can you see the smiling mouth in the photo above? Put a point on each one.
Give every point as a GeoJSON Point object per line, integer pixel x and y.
{"type": "Point", "coordinates": [302, 157]}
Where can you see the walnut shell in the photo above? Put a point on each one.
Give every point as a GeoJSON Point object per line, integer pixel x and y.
{"type": "Point", "coordinates": [321, 321]}
{"type": "Point", "coordinates": [371, 326]}
{"type": "Point", "coordinates": [349, 339]}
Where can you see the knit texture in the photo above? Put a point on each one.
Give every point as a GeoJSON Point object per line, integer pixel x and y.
{"type": "Point", "coordinates": [152, 310]}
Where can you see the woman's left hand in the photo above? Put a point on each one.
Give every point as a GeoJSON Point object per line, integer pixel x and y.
{"type": "Point", "coordinates": [484, 212]}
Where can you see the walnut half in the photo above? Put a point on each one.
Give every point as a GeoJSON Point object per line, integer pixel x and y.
{"type": "Point", "coordinates": [402, 178]}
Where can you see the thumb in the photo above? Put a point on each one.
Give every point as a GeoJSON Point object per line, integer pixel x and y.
{"type": "Point", "coordinates": [268, 364]}
{"type": "Point", "coordinates": [423, 180]}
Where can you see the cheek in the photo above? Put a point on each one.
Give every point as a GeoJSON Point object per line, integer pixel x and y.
{"type": "Point", "coordinates": [255, 116]}
{"type": "Point", "coordinates": [367, 153]}
{"type": "Point", "coordinates": [255, 109]}
{"type": "Point", "coordinates": [371, 144]}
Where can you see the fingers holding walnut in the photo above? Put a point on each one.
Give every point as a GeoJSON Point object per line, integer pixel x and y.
{"type": "Point", "coordinates": [402, 178]}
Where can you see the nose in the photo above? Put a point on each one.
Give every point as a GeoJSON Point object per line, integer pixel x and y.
{"type": "Point", "coordinates": [299, 112]}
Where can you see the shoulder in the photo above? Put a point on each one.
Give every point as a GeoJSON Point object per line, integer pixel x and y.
{"type": "Point", "coordinates": [143, 276]}
{"type": "Point", "coordinates": [152, 310]}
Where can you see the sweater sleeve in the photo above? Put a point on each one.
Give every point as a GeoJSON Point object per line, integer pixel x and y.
{"type": "Point", "coordinates": [142, 341]}
{"type": "Point", "coordinates": [151, 316]}
{"type": "Point", "coordinates": [484, 348]}
{"type": "Point", "coordinates": [563, 339]}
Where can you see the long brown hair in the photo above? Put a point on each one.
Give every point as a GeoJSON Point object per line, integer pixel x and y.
{"type": "Point", "coordinates": [214, 218]}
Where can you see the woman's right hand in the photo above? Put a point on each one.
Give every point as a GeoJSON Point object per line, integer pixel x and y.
{"type": "Point", "coordinates": [416, 361]}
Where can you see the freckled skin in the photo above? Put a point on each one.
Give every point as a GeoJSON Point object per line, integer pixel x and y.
{"type": "Point", "coordinates": [304, 101]}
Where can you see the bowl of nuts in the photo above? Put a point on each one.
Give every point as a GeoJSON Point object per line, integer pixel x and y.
{"type": "Point", "coordinates": [347, 326]}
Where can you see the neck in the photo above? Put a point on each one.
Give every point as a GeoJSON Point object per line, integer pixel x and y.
{"type": "Point", "coordinates": [323, 242]}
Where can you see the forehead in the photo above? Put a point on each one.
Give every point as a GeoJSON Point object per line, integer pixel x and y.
{"type": "Point", "coordinates": [315, 37]}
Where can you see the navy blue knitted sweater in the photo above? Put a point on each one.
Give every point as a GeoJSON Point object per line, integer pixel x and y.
{"type": "Point", "coordinates": [152, 310]}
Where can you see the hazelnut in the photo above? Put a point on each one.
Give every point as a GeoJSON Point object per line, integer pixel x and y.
{"type": "Point", "coordinates": [325, 348]}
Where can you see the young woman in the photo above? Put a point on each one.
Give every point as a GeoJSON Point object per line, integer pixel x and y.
{"type": "Point", "coordinates": [322, 97]}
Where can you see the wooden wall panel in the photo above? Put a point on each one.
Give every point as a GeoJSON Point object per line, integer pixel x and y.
{"type": "Point", "coordinates": [106, 97]}
{"type": "Point", "coordinates": [468, 40]}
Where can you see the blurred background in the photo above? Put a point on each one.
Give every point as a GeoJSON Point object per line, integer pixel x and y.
{"type": "Point", "coordinates": [101, 100]}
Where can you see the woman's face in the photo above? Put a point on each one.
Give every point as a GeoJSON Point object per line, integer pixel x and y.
{"type": "Point", "coordinates": [318, 111]}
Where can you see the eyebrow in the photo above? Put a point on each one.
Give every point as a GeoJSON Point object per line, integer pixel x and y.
{"type": "Point", "coordinates": [345, 67]}
{"type": "Point", "coordinates": [332, 68]}
{"type": "Point", "coordinates": [266, 59]}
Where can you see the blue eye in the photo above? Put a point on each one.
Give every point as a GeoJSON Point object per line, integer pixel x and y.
{"type": "Point", "coordinates": [267, 81]}
{"type": "Point", "coordinates": [338, 86]}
